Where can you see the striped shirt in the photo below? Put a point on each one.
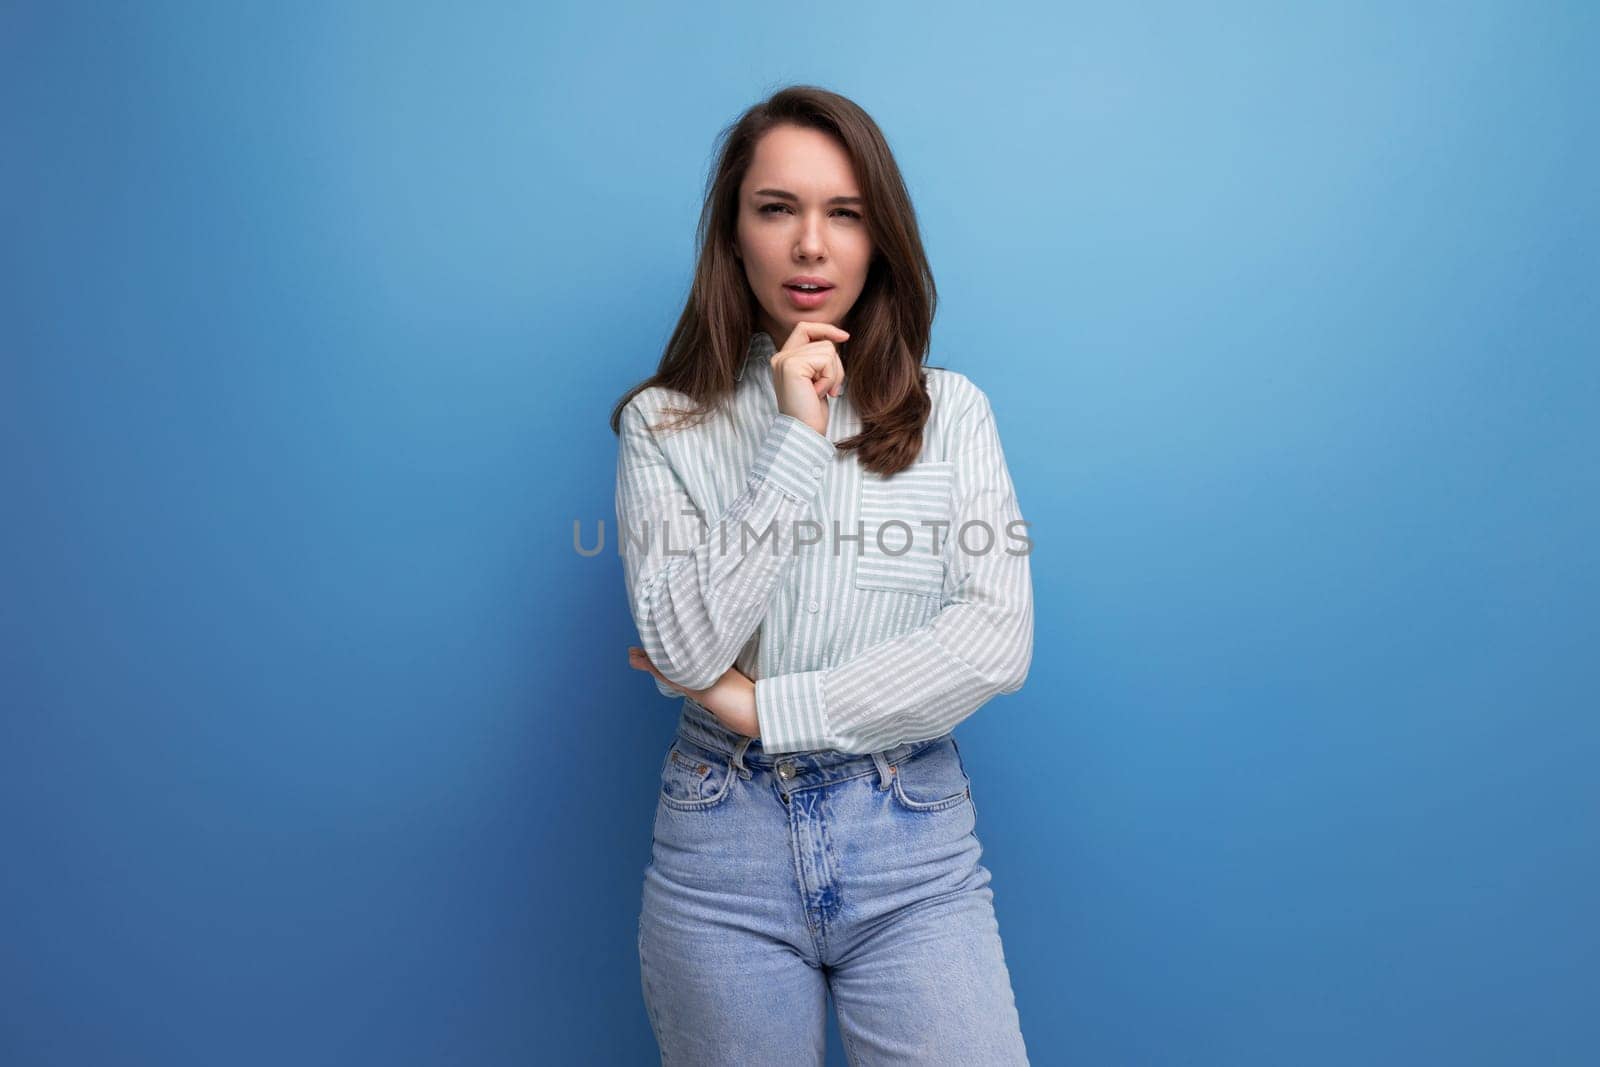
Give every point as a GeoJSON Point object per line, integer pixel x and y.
{"type": "Point", "coordinates": [869, 611]}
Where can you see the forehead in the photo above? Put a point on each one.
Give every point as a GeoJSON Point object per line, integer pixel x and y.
{"type": "Point", "coordinates": [808, 163]}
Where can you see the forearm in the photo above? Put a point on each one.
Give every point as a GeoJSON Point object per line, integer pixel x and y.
{"type": "Point", "coordinates": [698, 592]}
{"type": "Point", "coordinates": [917, 685]}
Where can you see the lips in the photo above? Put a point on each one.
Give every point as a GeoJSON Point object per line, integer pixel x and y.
{"type": "Point", "coordinates": [804, 301]}
{"type": "Point", "coordinates": [806, 279]}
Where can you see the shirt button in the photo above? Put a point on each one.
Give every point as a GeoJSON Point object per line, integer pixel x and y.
{"type": "Point", "coordinates": [813, 607]}
{"type": "Point", "coordinates": [817, 470]}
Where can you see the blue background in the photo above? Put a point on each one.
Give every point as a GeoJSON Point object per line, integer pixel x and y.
{"type": "Point", "coordinates": [319, 742]}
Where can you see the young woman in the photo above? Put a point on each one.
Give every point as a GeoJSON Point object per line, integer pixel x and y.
{"type": "Point", "coordinates": [824, 557]}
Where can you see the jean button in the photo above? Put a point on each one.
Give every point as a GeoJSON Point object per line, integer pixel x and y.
{"type": "Point", "coordinates": [786, 770]}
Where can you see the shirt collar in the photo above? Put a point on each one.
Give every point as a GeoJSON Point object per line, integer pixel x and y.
{"type": "Point", "coordinates": [760, 347]}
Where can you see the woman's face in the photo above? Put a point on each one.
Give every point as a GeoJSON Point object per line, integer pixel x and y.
{"type": "Point", "coordinates": [800, 214]}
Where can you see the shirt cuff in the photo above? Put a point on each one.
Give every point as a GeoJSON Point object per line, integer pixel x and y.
{"type": "Point", "coordinates": [789, 712]}
{"type": "Point", "coordinates": [793, 456]}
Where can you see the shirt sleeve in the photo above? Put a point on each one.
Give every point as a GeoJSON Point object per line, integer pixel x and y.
{"type": "Point", "coordinates": [920, 684]}
{"type": "Point", "coordinates": [698, 586]}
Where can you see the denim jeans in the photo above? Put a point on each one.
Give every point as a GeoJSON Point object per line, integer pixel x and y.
{"type": "Point", "coordinates": [775, 880]}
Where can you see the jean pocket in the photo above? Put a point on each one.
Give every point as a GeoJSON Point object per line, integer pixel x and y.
{"type": "Point", "coordinates": [932, 779]}
{"type": "Point", "coordinates": [898, 548]}
{"type": "Point", "coordinates": [693, 779]}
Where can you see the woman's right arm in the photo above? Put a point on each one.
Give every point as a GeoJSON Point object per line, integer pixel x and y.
{"type": "Point", "coordinates": [699, 586]}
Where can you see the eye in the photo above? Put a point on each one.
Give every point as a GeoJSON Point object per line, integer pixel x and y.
{"type": "Point", "coordinates": [766, 209]}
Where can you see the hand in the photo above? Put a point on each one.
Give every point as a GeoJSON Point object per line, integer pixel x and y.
{"type": "Point", "coordinates": [731, 698]}
{"type": "Point", "coordinates": [806, 369]}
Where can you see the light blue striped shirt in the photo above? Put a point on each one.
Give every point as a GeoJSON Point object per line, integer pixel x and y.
{"type": "Point", "coordinates": [853, 644]}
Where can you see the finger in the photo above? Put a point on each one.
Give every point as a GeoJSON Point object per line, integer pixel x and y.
{"type": "Point", "coordinates": [806, 332]}
{"type": "Point", "coordinates": [824, 382]}
{"type": "Point", "coordinates": [656, 671]}
{"type": "Point", "coordinates": [816, 362]}
{"type": "Point", "coordinates": [643, 663]}
{"type": "Point", "coordinates": [831, 373]}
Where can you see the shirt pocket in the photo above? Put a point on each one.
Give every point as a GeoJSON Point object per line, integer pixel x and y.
{"type": "Point", "coordinates": [897, 546]}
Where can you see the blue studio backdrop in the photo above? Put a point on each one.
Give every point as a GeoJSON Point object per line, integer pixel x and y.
{"type": "Point", "coordinates": [319, 744]}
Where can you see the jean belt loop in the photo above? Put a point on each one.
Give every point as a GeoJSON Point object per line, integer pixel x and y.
{"type": "Point", "coordinates": [881, 759]}
{"type": "Point", "coordinates": [738, 757]}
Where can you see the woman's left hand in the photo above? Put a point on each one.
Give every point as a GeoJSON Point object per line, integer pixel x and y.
{"type": "Point", "coordinates": [731, 698]}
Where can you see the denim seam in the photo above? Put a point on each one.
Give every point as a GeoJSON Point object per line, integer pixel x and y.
{"type": "Point", "coordinates": [853, 1053]}
{"type": "Point", "coordinates": [795, 866]}
{"type": "Point", "coordinates": [649, 997]}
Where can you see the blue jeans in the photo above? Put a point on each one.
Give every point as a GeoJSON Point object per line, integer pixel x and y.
{"type": "Point", "coordinates": [776, 880]}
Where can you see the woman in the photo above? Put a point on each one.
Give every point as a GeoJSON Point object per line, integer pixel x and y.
{"type": "Point", "coordinates": [824, 557]}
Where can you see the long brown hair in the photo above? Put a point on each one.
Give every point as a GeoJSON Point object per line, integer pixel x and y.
{"type": "Point", "coordinates": [890, 323]}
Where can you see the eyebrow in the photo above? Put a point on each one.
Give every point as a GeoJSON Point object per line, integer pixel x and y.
{"type": "Point", "coordinates": [784, 194]}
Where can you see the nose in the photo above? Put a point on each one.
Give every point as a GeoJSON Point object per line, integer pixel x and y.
{"type": "Point", "coordinates": [811, 245]}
